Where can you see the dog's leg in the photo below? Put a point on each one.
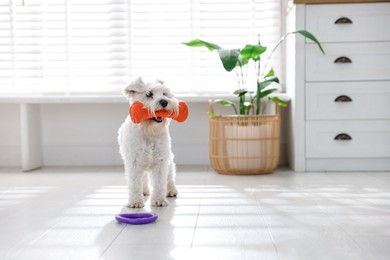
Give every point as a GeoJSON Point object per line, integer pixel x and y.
{"type": "Point", "coordinates": [145, 183]}
{"type": "Point", "coordinates": [159, 177]}
{"type": "Point", "coordinates": [134, 185]}
{"type": "Point", "coordinates": [171, 187]}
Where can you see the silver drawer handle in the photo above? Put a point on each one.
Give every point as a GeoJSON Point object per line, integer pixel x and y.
{"type": "Point", "coordinates": [343, 59]}
{"type": "Point", "coordinates": [343, 20]}
{"type": "Point", "coordinates": [343, 98]}
{"type": "Point", "coordinates": [343, 137]}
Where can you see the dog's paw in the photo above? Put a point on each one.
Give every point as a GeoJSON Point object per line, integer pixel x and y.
{"type": "Point", "coordinates": [159, 202]}
{"type": "Point", "coordinates": [146, 191]}
{"type": "Point", "coordinates": [172, 193]}
{"type": "Point", "coordinates": [135, 204]}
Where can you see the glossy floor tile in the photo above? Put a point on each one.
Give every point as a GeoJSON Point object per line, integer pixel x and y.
{"type": "Point", "coordinates": [68, 213]}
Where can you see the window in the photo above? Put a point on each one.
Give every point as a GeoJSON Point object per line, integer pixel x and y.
{"type": "Point", "coordinates": [63, 46]}
{"type": "Point", "coordinates": [82, 46]}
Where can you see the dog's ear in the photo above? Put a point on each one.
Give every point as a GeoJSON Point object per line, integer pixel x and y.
{"type": "Point", "coordinates": [136, 86]}
{"type": "Point", "coordinates": [159, 81]}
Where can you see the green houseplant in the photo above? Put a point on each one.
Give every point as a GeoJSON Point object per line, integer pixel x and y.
{"type": "Point", "coordinates": [238, 59]}
{"type": "Point", "coordinates": [249, 141]}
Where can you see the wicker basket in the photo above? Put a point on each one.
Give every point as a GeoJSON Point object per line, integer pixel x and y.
{"type": "Point", "coordinates": [245, 144]}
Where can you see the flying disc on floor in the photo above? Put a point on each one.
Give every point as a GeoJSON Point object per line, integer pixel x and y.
{"type": "Point", "coordinates": [136, 218]}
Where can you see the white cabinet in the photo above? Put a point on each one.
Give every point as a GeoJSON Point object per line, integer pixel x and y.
{"type": "Point", "coordinates": [348, 61]}
{"type": "Point", "coordinates": [347, 139]}
{"type": "Point", "coordinates": [349, 22]}
{"type": "Point", "coordinates": [340, 111]}
{"type": "Point", "coordinates": [347, 100]}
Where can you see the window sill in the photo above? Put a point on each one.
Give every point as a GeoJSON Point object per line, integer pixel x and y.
{"type": "Point", "coordinates": [74, 99]}
{"type": "Point", "coordinates": [30, 117]}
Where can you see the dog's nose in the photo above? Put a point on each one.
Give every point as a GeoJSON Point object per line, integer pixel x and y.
{"type": "Point", "coordinates": [163, 103]}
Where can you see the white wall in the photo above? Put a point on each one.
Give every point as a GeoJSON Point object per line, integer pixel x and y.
{"type": "Point", "coordinates": [81, 134]}
{"type": "Point", "coordinates": [10, 152]}
{"type": "Point", "coordinates": [85, 134]}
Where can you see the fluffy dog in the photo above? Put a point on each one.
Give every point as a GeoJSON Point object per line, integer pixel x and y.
{"type": "Point", "coordinates": [146, 147]}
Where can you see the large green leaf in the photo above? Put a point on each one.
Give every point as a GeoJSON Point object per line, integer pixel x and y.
{"type": "Point", "coordinates": [272, 79]}
{"type": "Point", "coordinates": [242, 61]}
{"type": "Point", "coordinates": [279, 101]}
{"type": "Point", "coordinates": [200, 43]}
{"type": "Point", "coordinates": [240, 92]}
{"type": "Point", "coordinates": [267, 92]}
{"type": "Point", "coordinates": [252, 52]}
{"type": "Point", "coordinates": [270, 73]}
{"type": "Point", "coordinates": [267, 81]}
{"type": "Point", "coordinates": [224, 102]}
{"type": "Point", "coordinates": [263, 85]}
{"type": "Point", "coordinates": [211, 114]}
{"type": "Point", "coordinates": [311, 37]}
{"type": "Point", "coordinates": [248, 104]}
{"type": "Point", "coordinates": [247, 107]}
{"type": "Point", "coordinates": [229, 58]}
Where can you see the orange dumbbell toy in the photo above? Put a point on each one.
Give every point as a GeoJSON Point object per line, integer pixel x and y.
{"type": "Point", "coordinates": [138, 113]}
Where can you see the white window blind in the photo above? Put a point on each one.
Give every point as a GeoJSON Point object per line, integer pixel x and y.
{"type": "Point", "coordinates": [82, 46]}
{"type": "Point", "coordinates": [63, 46]}
{"type": "Point", "coordinates": [158, 28]}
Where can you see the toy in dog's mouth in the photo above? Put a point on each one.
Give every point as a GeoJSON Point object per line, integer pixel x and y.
{"type": "Point", "coordinates": [158, 119]}
{"type": "Point", "coordinates": [138, 113]}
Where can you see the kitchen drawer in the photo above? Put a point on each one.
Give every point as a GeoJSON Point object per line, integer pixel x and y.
{"type": "Point", "coordinates": [368, 61]}
{"type": "Point", "coordinates": [348, 100]}
{"type": "Point", "coordinates": [369, 22]}
{"type": "Point", "coordinates": [348, 164]}
{"type": "Point", "coordinates": [369, 139]}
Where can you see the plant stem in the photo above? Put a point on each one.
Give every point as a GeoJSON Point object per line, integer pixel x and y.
{"type": "Point", "coordinates": [235, 109]}
{"type": "Point", "coordinates": [242, 107]}
{"type": "Point", "coordinates": [242, 85]}
{"type": "Point", "coordinates": [253, 107]}
{"type": "Point", "coordinates": [246, 76]}
{"type": "Point", "coordinates": [238, 78]}
{"type": "Point", "coordinates": [272, 52]}
{"type": "Point", "coordinates": [258, 92]}
{"type": "Point", "coordinates": [242, 77]}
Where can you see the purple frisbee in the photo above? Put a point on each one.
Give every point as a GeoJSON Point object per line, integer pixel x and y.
{"type": "Point", "coordinates": [136, 218]}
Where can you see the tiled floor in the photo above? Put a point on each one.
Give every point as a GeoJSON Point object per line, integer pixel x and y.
{"type": "Point", "coordinates": [68, 213]}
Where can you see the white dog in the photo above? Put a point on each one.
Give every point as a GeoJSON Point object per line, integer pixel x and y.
{"type": "Point", "coordinates": [146, 147]}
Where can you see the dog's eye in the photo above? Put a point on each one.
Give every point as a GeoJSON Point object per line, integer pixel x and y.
{"type": "Point", "coordinates": [150, 94]}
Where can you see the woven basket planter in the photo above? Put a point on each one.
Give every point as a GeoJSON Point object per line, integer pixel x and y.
{"type": "Point", "coordinates": [245, 144]}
